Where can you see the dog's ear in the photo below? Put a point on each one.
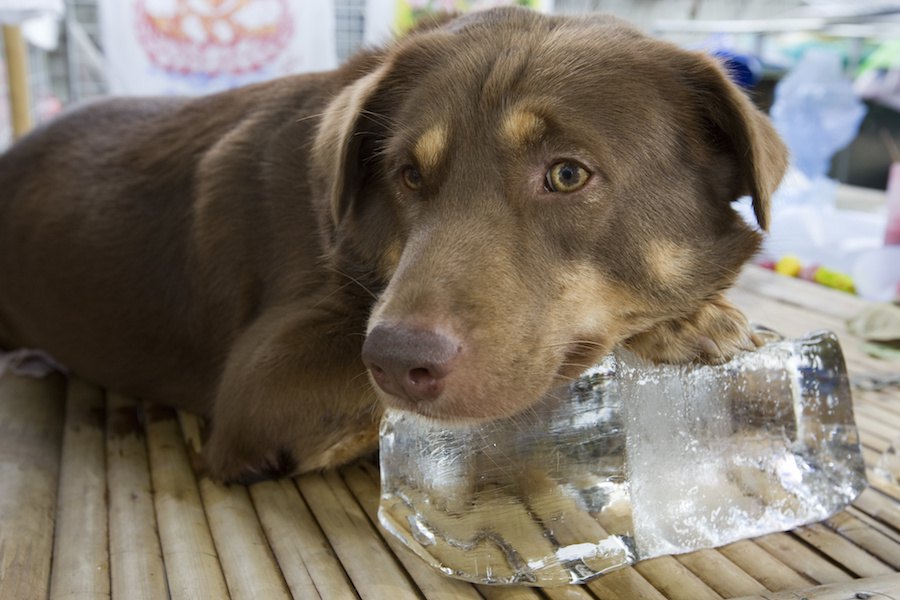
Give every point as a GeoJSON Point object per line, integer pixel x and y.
{"type": "Point", "coordinates": [345, 134]}
{"type": "Point", "coordinates": [738, 131]}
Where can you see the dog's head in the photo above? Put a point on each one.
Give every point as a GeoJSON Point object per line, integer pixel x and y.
{"type": "Point", "coordinates": [531, 191]}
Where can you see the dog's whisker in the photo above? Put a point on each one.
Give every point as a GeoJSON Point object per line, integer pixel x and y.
{"type": "Point", "coordinates": [358, 375]}
{"type": "Point", "coordinates": [354, 280]}
{"type": "Point", "coordinates": [567, 378]}
{"type": "Point", "coordinates": [380, 118]}
{"type": "Point", "coordinates": [331, 294]}
{"type": "Point", "coordinates": [577, 365]}
{"type": "Point", "coordinates": [588, 343]}
{"type": "Point", "coordinates": [310, 117]}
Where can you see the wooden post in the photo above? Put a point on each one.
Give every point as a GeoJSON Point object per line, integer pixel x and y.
{"type": "Point", "coordinates": [16, 55]}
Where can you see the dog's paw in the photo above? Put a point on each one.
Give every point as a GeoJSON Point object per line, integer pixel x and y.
{"type": "Point", "coordinates": [713, 334]}
{"type": "Point", "coordinates": [228, 464]}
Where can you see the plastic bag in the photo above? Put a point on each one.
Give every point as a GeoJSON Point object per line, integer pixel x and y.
{"type": "Point", "coordinates": [816, 111]}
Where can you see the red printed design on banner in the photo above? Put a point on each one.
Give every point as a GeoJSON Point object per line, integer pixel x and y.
{"type": "Point", "coordinates": [213, 37]}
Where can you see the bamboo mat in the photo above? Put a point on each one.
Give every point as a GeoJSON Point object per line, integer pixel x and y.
{"type": "Point", "coordinates": [102, 497]}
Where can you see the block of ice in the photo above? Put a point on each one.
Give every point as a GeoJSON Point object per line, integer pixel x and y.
{"type": "Point", "coordinates": [631, 461]}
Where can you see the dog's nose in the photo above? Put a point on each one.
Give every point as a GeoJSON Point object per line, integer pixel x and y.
{"type": "Point", "coordinates": [410, 363]}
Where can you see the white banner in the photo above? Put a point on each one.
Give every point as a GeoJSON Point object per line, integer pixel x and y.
{"type": "Point", "coordinates": [205, 46]}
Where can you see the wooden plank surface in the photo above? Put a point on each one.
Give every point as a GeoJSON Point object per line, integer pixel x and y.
{"type": "Point", "coordinates": [875, 588]}
{"type": "Point", "coordinates": [81, 550]}
{"type": "Point", "coordinates": [372, 568]}
{"type": "Point", "coordinates": [310, 566]}
{"type": "Point", "coordinates": [137, 569]}
{"type": "Point", "coordinates": [31, 423]}
{"type": "Point", "coordinates": [192, 564]}
{"type": "Point", "coordinates": [128, 512]}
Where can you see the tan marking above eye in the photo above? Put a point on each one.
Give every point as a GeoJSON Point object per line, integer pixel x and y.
{"type": "Point", "coordinates": [521, 127]}
{"type": "Point", "coordinates": [429, 149]}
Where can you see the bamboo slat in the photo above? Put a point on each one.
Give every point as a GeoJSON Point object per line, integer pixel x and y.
{"type": "Point", "coordinates": [879, 507]}
{"type": "Point", "coordinates": [874, 425]}
{"type": "Point", "coordinates": [886, 398]}
{"type": "Point", "coordinates": [892, 491]}
{"type": "Point", "coordinates": [248, 565]}
{"type": "Point", "coordinates": [137, 571]}
{"type": "Point", "coordinates": [371, 566]}
{"type": "Point", "coordinates": [842, 550]}
{"type": "Point", "coordinates": [306, 559]}
{"type": "Point", "coordinates": [875, 525]}
{"type": "Point", "coordinates": [871, 540]}
{"type": "Point", "coordinates": [878, 447]}
{"type": "Point", "coordinates": [875, 588]}
{"type": "Point", "coordinates": [31, 421]}
{"type": "Point", "coordinates": [763, 567]}
{"type": "Point", "coordinates": [719, 573]}
{"type": "Point", "coordinates": [192, 565]}
{"type": "Point", "coordinates": [675, 580]}
{"type": "Point", "coordinates": [624, 583]}
{"type": "Point", "coordinates": [798, 556]}
{"type": "Point", "coordinates": [81, 549]}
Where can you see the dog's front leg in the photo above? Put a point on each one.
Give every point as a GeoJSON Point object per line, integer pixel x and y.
{"type": "Point", "coordinates": [294, 397]}
{"type": "Point", "coordinates": [714, 333]}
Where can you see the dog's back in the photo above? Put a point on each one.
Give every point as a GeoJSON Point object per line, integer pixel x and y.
{"type": "Point", "coordinates": [136, 226]}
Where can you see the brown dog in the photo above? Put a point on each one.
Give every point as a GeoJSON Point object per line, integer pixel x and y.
{"type": "Point", "coordinates": [475, 213]}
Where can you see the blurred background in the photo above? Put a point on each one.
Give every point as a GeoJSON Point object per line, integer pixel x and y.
{"type": "Point", "coordinates": [828, 73]}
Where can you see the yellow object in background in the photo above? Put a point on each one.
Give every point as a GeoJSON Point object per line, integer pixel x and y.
{"type": "Point", "coordinates": [834, 279]}
{"type": "Point", "coordinates": [410, 11]}
{"type": "Point", "coordinates": [791, 266]}
{"type": "Point", "coordinates": [788, 265]}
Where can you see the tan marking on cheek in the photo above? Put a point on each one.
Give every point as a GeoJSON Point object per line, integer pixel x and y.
{"type": "Point", "coordinates": [668, 261]}
{"type": "Point", "coordinates": [521, 127]}
{"type": "Point", "coordinates": [592, 303]}
{"type": "Point", "coordinates": [430, 147]}
{"type": "Point", "coordinates": [588, 299]}
{"type": "Point", "coordinates": [390, 258]}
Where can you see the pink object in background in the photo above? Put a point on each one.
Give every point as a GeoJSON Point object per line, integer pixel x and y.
{"type": "Point", "coordinates": [213, 36]}
{"type": "Point", "coordinates": [892, 233]}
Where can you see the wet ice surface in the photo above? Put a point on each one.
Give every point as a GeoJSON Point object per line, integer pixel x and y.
{"type": "Point", "coordinates": [719, 454]}
{"type": "Point", "coordinates": [630, 462]}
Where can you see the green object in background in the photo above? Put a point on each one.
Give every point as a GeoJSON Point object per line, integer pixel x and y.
{"type": "Point", "coordinates": [410, 11]}
{"type": "Point", "coordinates": [883, 58]}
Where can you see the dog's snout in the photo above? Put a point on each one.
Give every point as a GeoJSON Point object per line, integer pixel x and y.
{"type": "Point", "coordinates": [410, 363]}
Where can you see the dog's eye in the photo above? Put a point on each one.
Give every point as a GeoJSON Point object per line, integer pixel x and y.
{"type": "Point", "coordinates": [566, 176]}
{"type": "Point", "coordinates": [411, 178]}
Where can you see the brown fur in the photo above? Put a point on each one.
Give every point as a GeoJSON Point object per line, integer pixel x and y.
{"type": "Point", "coordinates": [228, 254]}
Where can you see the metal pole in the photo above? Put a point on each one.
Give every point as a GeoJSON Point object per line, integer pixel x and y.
{"type": "Point", "coordinates": [16, 55]}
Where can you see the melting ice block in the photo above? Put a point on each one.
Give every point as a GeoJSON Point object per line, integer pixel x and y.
{"type": "Point", "coordinates": [630, 462]}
